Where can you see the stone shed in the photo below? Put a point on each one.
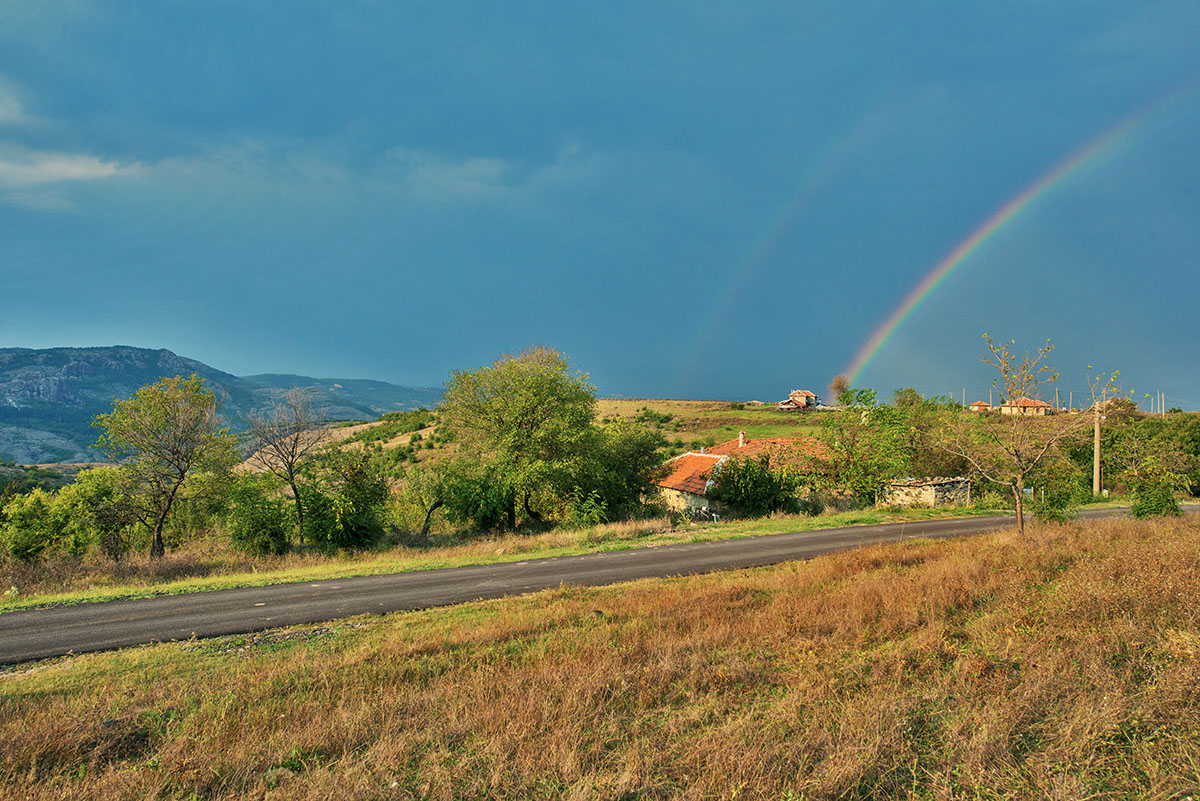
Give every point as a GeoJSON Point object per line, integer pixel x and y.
{"type": "Point", "coordinates": [926, 492]}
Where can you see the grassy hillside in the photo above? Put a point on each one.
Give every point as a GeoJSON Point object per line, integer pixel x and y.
{"type": "Point", "coordinates": [688, 425]}
{"type": "Point", "coordinates": [1064, 665]}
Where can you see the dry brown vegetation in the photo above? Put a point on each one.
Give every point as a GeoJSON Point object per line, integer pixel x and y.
{"type": "Point", "coordinates": [1063, 665]}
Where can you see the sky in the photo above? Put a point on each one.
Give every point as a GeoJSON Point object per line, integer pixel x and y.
{"type": "Point", "coordinates": [688, 199]}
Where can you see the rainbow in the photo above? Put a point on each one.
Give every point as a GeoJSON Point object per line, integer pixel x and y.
{"type": "Point", "coordinates": [821, 169]}
{"type": "Point", "coordinates": [1105, 146]}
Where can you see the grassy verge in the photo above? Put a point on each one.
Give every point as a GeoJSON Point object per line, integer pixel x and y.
{"type": "Point", "coordinates": [204, 566]}
{"type": "Point", "coordinates": [1061, 665]}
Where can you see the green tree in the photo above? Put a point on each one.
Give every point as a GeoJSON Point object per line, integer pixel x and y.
{"type": "Point", "coordinates": [1154, 465]}
{"type": "Point", "coordinates": [529, 417]}
{"type": "Point", "coordinates": [167, 432]}
{"type": "Point", "coordinates": [755, 486]}
{"type": "Point", "coordinates": [864, 447]}
{"type": "Point", "coordinates": [345, 498]}
{"type": "Point", "coordinates": [621, 464]}
{"type": "Point", "coordinates": [258, 518]}
{"type": "Point", "coordinates": [97, 511]}
{"type": "Point", "coordinates": [31, 526]}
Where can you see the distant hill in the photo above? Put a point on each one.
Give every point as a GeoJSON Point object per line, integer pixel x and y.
{"type": "Point", "coordinates": [350, 398]}
{"type": "Point", "coordinates": [49, 397]}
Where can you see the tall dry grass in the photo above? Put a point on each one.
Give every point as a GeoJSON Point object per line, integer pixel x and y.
{"type": "Point", "coordinates": [1064, 666]}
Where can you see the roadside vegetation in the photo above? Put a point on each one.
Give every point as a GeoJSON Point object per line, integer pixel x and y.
{"type": "Point", "coordinates": [1061, 664]}
{"type": "Point", "coordinates": [522, 457]}
{"type": "Point", "coordinates": [214, 562]}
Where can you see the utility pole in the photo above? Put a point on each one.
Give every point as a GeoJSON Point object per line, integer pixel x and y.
{"type": "Point", "coordinates": [1096, 404]}
{"type": "Point", "coordinates": [1056, 407]}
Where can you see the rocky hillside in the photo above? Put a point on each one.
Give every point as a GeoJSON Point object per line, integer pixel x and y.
{"type": "Point", "coordinates": [49, 397]}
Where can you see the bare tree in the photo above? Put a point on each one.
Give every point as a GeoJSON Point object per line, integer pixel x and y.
{"type": "Point", "coordinates": [837, 386]}
{"type": "Point", "coordinates": [284, 438]}
{"type": "Point", "coordinates": [1006, 448]}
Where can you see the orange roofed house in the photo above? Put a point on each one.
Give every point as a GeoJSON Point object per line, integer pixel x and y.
{"type": "Point", "coordinates": [799, 399]}
{"type": "Point", "coordinates": [1027, 406]}
{"type": "Point", "coordinates": [689, 479]}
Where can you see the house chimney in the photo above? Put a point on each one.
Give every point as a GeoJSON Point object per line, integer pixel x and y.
{"type": "Point", "coordinates": [741, 439]}
{"type": "Point", "coordinates": [701, 450]}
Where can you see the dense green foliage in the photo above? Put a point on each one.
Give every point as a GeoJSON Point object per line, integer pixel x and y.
{"type": "Point", "coordinates": [259, 517]}
{"type": "Point", "coordinates": [163, 435]}
{"type": "Point", "coordinates": [344, 499]}
{"type": "Point", "coordinates": [532, 451]}
{"type": "Point", "coordinates": [865, 446]}
{"type": "Point", "coordinates": [92, 511]}
{"type": "Point", "coordinates": [754, 487]}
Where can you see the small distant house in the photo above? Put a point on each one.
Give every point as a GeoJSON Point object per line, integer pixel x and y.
{"type": "Point", "coordinates": [1027, 406]}
{"type": "Point", "coordinates": [928, 493]}
{"type": "Point", "coordinates": [690, 475]}
{"type": "Point", "coordinates": [799, 399]}
{"type": "Point", "coordinates": [980, 406]}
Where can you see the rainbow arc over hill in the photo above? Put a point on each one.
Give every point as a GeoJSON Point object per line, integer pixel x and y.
{"type": "Point", "coordinates": [1101, 150]}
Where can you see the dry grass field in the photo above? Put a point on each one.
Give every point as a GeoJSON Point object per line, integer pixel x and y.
{"type": "Point", "coordinates": [1065, 665]}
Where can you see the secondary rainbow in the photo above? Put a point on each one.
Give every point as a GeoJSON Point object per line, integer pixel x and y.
{"type": "Point", "coordinates": [1093, 154]}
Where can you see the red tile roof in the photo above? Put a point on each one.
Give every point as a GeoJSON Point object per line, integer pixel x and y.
{"type": "Point", "coordinates": [690, 472]}
{"type": "Point", "coordinates": [1028, 403]}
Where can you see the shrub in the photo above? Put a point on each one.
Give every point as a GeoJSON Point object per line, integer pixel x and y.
{"type": "Point", "coordinates": [585, 510]}
{"type": "Point", "coordinates": [1155, 488]}
{"type": "Point", "coordinates": [754, 487]}
{"type": "Point", "coordinates": [344, 501]}
{"type": "Point", "coordinates": [259, 518]}
{"type": "Point", "coordinates": [31, 525]}
{"type": "Point", "coordinates": [96, 510]}
{"type": "Point", "coordinates": [1057, 489]}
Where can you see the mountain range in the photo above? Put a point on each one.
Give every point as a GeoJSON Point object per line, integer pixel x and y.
{"type": "Point", "coordinates": [49, 397]}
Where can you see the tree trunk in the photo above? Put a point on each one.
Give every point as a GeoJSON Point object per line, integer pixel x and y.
{"type": "Point", "coordinates": [1020, 493]}
{"type": "Point", "coordinates": [157, 548]}
{"type": "Point", "coordinates": [534, 516]}
{"type": "Point", "coordinates": [512, 513]}
{"type": "Point", "coordinates": [428, 516]}
{"type": "Point", "coordinates": [299, 510]}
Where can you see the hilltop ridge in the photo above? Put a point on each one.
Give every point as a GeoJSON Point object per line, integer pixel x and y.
{"type": "Point", "coordinates": [49, 396]}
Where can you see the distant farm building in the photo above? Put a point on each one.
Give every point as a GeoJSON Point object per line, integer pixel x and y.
{"type": "Point", "coordinates": [1027, 406]}
{"type": "Point", "coordinates": [799, 399]}
{"type": "Point", "coordinates": [927, 493]}
{"type": "Point", "coordinates": [689, 479]}
{"type": "Point", "coordinates": [980, 406]}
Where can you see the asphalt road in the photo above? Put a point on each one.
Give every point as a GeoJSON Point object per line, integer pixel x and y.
{"type": "Point", "coordinates": [40, 633]}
